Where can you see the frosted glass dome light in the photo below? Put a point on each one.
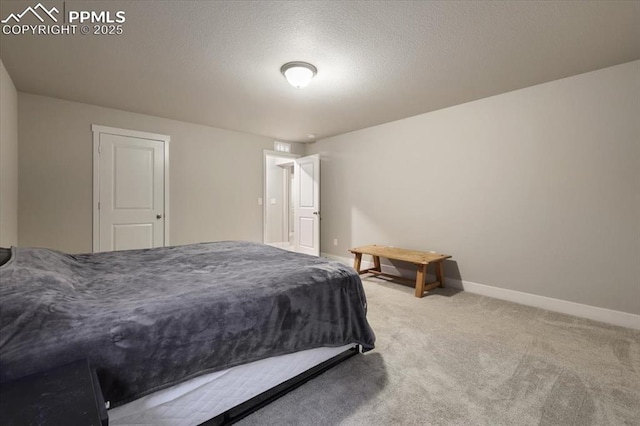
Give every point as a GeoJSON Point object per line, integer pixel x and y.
{"type": "Point", "coordinates": [298, 74]}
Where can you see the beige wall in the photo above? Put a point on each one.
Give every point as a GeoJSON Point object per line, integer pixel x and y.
{"type": "Point", "coordinates": [215, 175]}
{"type": "Point", "coordinates": [8, 160]}
{"type": "Point", "coordinates": [536, 190]}
{"type": "Point", "coordinates": [274, 218]}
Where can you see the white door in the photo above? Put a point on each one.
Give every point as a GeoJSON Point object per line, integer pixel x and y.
{"type": "Point", "coordinates": [131, 211]}
{"type": "Point", "coordinates": [306, 184]}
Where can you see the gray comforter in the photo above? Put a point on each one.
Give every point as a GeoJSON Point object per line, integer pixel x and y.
{"type": "Point", "coordinates": [147, 319]}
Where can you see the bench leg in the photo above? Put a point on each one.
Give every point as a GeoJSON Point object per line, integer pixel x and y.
{"type": "Point", "coordinates": [420, 274]}
{"type": "Point", "coordinates": [357, 261]}
{"type": "Point", "coordinates": [439, 273]}
{"type": "Point", "coordinates": [376, 263]}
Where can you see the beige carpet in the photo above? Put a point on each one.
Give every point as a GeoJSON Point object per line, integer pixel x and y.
{"type": "Point", "coordinates": [455, 358]}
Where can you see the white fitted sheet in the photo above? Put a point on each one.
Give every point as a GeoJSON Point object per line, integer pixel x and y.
{"type": "Point", "coordinates": [202, 398]}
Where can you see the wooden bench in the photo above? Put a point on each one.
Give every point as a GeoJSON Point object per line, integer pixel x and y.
{"type": "Point", "coordinates": [419, 258]}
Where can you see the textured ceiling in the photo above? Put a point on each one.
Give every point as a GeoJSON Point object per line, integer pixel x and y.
{"type": "Point", "coordinates": [218, 63]}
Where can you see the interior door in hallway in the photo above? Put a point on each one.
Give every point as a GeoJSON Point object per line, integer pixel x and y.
{"type": "Point", "coordinates": [306, 181]}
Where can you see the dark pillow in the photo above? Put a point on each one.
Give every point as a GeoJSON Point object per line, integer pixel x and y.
{"type": "Point", "coordinates": [5, 255]}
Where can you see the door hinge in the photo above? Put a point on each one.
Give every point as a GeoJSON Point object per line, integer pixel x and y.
{"type": "Point", "coordinates": [98, 205]}
{"type": "Point", "coordinates": [99, 149]}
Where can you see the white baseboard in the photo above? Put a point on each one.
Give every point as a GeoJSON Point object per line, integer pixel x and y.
{"type": "Point", "coordinates": [609, 316]}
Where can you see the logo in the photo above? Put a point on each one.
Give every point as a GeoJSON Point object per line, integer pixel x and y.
{"type": "Point", "coordinates": [33, 10]}
{"type": "Point", "coordinates": [85, 22]}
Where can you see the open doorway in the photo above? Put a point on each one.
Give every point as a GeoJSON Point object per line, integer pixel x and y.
{"type": "Point", "coordinates": [278, 200]}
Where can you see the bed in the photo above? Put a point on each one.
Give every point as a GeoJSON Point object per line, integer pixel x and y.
{"type": "Point", "coordinates": [162, 325]}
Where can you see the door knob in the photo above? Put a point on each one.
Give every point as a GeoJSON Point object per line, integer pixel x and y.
{"type": "Point", "coordinates": [316, 213]}
{"type": "Point", "coordinates": [158, 216]}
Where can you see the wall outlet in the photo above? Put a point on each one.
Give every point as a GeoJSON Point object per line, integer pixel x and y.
{"type": "Point", "coordinates": [259, 201]}
{"type": "Point", "coordinates": [335, 241]}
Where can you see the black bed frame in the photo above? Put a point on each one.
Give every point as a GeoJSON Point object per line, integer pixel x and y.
{"type": "Point", "coordinates": [241, 411]}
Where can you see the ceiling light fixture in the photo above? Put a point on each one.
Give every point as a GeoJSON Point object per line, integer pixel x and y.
{"type": "Point", "coordinates": [298, 74]}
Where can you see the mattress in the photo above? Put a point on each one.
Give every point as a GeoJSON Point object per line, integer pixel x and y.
{"type": "Point", "coordinates": [204, 397]}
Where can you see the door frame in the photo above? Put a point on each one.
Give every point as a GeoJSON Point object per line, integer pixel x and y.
{"type": "Point", "coordinates": [269, 153]}
{"type": "Point", "coordinates": [97, 130]}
